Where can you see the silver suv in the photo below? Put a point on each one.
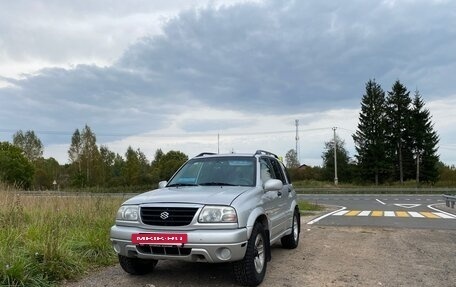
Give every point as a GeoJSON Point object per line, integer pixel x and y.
{"type": "Point", "coordinates": [216, 208]}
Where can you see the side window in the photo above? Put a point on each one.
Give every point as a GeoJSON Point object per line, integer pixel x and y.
{"type": "Point", "coordinates": [278, 171]}
{"type": "Point", "coordinates": [287, 174]}
{"type": "Point", "coordinates": [266, 170]}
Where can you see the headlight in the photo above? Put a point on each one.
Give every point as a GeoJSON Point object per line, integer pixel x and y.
{"type": "Point", "coordinates": [217, 214]}
{"type": "Point", "coordinates": [128, 212]}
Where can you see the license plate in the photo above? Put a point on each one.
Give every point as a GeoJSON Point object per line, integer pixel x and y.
{"type": "Point", "coordinates": [159, 238]}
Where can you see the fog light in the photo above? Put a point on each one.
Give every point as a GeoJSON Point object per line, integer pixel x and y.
{"type": "Point", "coordinates": [223, 253]}
{"type": "Point", "coordinates": [116, 247]}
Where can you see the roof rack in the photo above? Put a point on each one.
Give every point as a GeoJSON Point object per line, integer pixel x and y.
{"type": "Point", "coordinates": [206, 153]}
{"type": "Point", "coordinates": [260, 151]}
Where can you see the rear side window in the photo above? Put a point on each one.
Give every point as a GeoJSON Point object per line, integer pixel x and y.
{"type": "Point", "coordinates": [287, 174]}
{"type": "Point", "coordinates": [278, 171]}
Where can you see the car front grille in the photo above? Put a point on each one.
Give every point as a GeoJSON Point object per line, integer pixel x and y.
{"type": "Point", "coordinates": [162, 250]}
{"type": "Point", "coordinates": [167, 216]}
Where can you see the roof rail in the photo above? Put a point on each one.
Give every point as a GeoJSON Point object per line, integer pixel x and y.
{"type": "Point", "coordinates": [260, 151]}
{"type": "Point", "coordinates": [206, 153]}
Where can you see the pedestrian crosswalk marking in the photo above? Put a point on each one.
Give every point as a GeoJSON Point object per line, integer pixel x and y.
{"type": "Point", "coordinates": [352, 213]}
{"type": "Point", "coordinates": [415, 214]}
{"type": "Point", "coordinates": [443, 215]}
{"type": "Point", "coordinates": [379, 213]}
{"type": "Point", "coordinates": [389, 214]}
{"type": "Point", "coordinates": [429, 215]}
{"type": "Point", "coordinates": [402, 214]}
{"type": "Point", "coordinates": [364, 213]}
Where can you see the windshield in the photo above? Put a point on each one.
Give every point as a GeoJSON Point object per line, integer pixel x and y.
{"type": "Point", "coordinates": [229, 171]}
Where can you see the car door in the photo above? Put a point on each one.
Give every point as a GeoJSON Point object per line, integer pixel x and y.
{"type": "Point", "coordinates": [284, 195]}
{"type": "Point", "coordinates": [273, 201]}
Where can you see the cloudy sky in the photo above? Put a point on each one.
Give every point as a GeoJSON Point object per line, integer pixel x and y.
{"type": "Point", "coordinates": [175, 74]}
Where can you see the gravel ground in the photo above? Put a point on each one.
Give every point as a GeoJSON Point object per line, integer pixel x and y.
{"type": "Point", "coordinates": [326, 256]}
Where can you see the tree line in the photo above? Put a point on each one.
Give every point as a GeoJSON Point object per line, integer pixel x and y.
{"type": "Point", "coordinates": [395, 141]}
{"type": "Point", "coordinates": [22, 164]}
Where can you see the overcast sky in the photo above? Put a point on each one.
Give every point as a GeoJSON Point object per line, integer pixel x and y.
{"type": "Point", "coordinates": [174, 74]}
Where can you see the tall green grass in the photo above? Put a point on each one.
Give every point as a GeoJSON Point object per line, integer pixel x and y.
{"type": "Point", "coordinates": [44, 239]}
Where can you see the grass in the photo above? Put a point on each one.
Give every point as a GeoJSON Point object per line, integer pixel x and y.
{"type": "Point", "coordinates": [308, 208]}
{"type": "Point", "coordinates": [44, 240]}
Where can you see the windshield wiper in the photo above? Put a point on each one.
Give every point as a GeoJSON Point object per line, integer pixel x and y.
{"type": "Point", "coordinates": [181, 184]}
{"type": "Point", "coordinates": [216, 183]}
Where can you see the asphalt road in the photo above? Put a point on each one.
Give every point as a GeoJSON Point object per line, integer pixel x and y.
{"type": "Point", "coordinates": [380, 210]}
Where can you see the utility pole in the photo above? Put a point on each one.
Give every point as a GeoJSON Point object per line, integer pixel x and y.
{"type": "Point", "coordinates": [417, 168]}
{"type": "Point", "coordinates": [218, 143]}
{"type": "Point", "coordinates": [336, 181]}
{"type": "Point", "coordinates": [297, 138]}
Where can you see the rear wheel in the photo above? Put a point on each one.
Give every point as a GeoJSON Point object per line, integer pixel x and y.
{"type": "Point", "coordinates": [291, 241]}
{"type": "Point", "coordinates": [136, 266]}
{"type": "Point", "coordinates": [250, 271]}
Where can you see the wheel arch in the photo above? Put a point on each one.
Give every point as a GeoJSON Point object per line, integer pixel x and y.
{"type": "Point", "coordinates": [258, 216]}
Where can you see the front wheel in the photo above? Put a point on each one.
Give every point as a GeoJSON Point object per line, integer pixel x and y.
{"type": "Point", "coordinates": [291, 241]}
{"type": "Point", "coordinates": [137, 266]}
{"type": "Point", "coordinates": [250, 271]}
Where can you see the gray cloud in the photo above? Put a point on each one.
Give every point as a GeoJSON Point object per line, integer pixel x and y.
{"type": "Point", "coordinates": [300, 55]}
{"type": "Point", "coordinates": [274, 57]}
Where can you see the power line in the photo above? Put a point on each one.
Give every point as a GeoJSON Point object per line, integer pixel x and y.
{"type": "Point", "coordinates": [66, 133]}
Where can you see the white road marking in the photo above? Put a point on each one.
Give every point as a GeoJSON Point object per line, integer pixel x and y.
{"type": "Point", "coordinates": [443, 215]}
{"type": "Point", "coordinates": [380, 201]}
{"type": "Point", "coordinates": [340, 213]}
{"type": "Point", "coordinates": [441, 211]}
{"type": "Point", "coordinates": [416, 214]}
{"type": "Point", "coordinates": [407, 205]}
{"type": "Point", "coordinates": [389, 214]}
{"type": "Point", "coordinates": [326, 215]}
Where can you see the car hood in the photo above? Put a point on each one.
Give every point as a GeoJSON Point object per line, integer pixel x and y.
{"type": "Point", "coordinates": [218, 195]}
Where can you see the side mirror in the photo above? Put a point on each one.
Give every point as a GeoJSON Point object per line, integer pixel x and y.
{"type": "Point", "coordinates": [273, 184]}
{"type": "Point", "coordinates": [162, 184]}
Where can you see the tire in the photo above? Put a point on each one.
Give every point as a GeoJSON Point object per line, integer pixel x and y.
{"type": "Point", "coordinates": [251, 270]}
{"type": "Point", "coordinates": [137, 266]}
{"type": "Point", "coordinates": [291, 241]}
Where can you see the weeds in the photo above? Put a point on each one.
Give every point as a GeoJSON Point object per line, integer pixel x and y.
{"type": "Point", "coordinates": [308, 206]}
{"type": "Point", "coordinates": [45, 239]}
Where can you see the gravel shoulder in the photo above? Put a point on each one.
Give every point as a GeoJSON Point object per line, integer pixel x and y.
{"type": "Point", "coordinates": [326, 256]}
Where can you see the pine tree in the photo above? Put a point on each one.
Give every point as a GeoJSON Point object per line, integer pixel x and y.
{"type": "Point", "coordinates": [425, 141]}
{"type": "Point", "coordinates": [370, 142]}
{"type": "Point", "coordinates": [398, 132]}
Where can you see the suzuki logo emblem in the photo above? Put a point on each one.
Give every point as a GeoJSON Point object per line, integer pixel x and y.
{"type": "Point", "coordinates": [164, 215]}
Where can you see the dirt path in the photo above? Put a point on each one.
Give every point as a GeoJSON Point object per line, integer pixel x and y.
{"type": "Point", "coordinates": [326, 256]}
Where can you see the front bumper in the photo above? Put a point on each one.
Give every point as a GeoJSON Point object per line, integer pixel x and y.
{"type": "Point", "coordinates": [213, 246]}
